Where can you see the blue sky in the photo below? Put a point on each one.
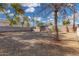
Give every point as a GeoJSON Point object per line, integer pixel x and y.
{"type": "Point", "coordinates": [41, 12]}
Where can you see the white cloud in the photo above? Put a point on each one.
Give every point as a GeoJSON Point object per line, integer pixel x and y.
{"type": "Point", "coordinates": [51, 19]}
{"type": "Point", "coordinates": [37, 18]}
{"type": "Point", "coordinates": [58, 13]}
{"type": "Point", "coordinates": [31, 9]}
{"type": "Point", "coordinates": [29, 17]}
{"type": "Point", "coordinates": [8, 11]}
{"type": "Point", "coordinates": [71, 21]}
{"type": "Point", "coordinates": [30, 4]}
{"type": "Point", "coordinates": [11, 14]}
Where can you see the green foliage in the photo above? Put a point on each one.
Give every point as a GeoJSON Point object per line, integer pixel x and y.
{"type": "Point", "coordinates": [66, 22]}
{"type": "Point", "coordinates": [59, 29]}
{"type": "Point", "coordinates": [26, 21]}
{"type": "Point", "coordinates": [18, 8]}
{"type": "Point", "coordinates": [12, 22]}
{"type": "Point", "coordinates": [1, 8]}
{"type": "Point", "coordinates": [52, 28]}
{"type": "Point", "coordinates": [39, 23]}
{"type": "Point", "coordinates": [50, 23]}
{"type": "Point", "coordinates": [17, 19]}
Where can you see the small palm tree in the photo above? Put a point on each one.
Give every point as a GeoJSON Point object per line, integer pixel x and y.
{"type": "Point", "coordinates": [12, 22]}
{"type": "Point", "coordinates": [66, 23]}
{"type": "Point", "coordinates": [26, 20]}
{"type": "Point", "coordinates": [3, 9]}
{"type": "Point", "coordinates": [18, 8]}
{"type": "Point", "coordinates": [19, 11]}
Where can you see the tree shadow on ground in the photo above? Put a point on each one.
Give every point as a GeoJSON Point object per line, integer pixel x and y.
{"type": "Point", "coordinates": [49, 50]}
{"type": "Point", "coordinates": [8, 46]}
{"type": "Point", "coordinates": [12, 47]}
{"type": "Point", "coordinates": [35, 35]}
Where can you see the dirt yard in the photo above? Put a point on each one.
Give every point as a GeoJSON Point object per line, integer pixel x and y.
{"type": "Point", "coordinates": [38, 44]}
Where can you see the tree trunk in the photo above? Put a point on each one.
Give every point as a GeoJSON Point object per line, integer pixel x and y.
{"type": "Point", "coordinates": [22, 23]}
{"type": "Point", "coordinates": [55, 24]}
{"type": "Point", "coordinates": [74, 21]}
{"type": "Point", "coordinates": [67, 29]}
{"type": "Point", "coordinates": [74, 24]}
